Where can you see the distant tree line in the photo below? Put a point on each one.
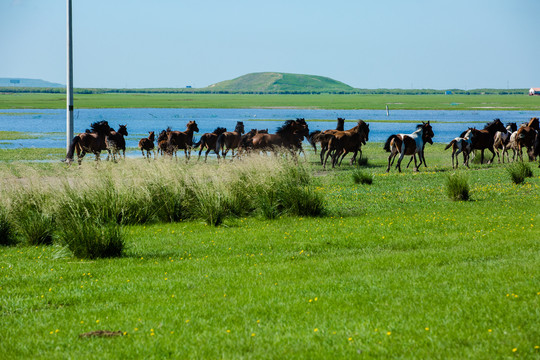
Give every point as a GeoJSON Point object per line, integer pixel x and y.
{"type": "Point", "coordinates": [8, 90]}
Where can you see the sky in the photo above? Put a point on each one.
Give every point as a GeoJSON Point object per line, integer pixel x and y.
{"type": "Point", "coordinates": [464, 44]}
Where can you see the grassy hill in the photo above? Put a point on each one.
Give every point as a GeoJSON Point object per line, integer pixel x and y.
{"type": "Point", "coordinates": [280, 82]}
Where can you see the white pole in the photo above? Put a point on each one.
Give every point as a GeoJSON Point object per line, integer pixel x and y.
{"type": "Point", "coordinates": [69, 85]}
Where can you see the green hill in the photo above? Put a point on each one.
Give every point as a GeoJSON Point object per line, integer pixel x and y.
{"type": "Point", "coordinates": [280, 83]}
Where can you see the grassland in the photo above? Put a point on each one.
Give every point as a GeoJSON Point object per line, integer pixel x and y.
{"type": "Point", "coordinates": [393, 270]}
{"type": "Point", "coordinates": [346, 102]}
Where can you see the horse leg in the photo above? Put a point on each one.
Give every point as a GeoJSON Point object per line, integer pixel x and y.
{"type": "Point", "coordinates": [415, 165]}
{"type": "Point", "coordinates": [398, 166]}
{"type": "Point", "coordinates": [410, 161]}
{"type": "Point", "coordinates": [323, 150]}
{"type": "Point", "coordinates": [390, 161]}
{"type": "Point", "coordinates": [345, 152]}
{"type": "Point", "coordinates": [482, 157]}
{"type": "Point", "coordinates": [457, 160]}
{"type": "Point", "coordinates": [493, 157]}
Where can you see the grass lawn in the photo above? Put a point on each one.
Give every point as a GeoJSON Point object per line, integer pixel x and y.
{"type": "Point", "coordinates": [324, 101]}
{"type": "Point", "coordinates": [393, 270]}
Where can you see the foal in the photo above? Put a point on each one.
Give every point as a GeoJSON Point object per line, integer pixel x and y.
{"type": "Point", "coordinates": [461, 144]}
{"type": "Point", "coordinates": [411, 144]}
{"type": "Point", "coordinates": [148, 145]}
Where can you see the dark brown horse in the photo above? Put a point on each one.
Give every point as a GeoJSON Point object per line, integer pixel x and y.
{"type": "Point", "coordinates": [208, 141]}
{"type": "Point", "coordinates": [485, 138]}
{"type": "Point", "coordinates": [177, 140]}
{"type": "Point", "coordinates": [525, 137]}
{"type": "Point", "coordinates": [289, 136]}
{"type": "Point", "coordinates": [343, 142]}
{"type": "Point", "coordinates": [116, 142]}
{"type": "Point", "coordinates": [162, 141]}
{"type": "Point", "coordinates": [411, 145]}
{"type": "Point", "coordinates": [93, 141]}
{"type": "Point", "coordinates": [148, 145]}
{"type": "Point", "coordinates": [324, 137]}
{"type": "Point", "coordinates": [229, 140]}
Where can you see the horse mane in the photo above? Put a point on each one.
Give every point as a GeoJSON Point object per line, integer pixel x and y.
{"type": "Point", "coordinates": [285, 128]}
{"type": "Point", "coordinates": [534, 123]}
{"type": "Point", "coordinates": [340, 124]}
{"type": "Point", "coordinates": [219, 130]}
{"type": "Point", "coordinates": [491, 123]}
{"type": "Point", "coordinates": [100, 127]}
{"type": "Point", "coordinates": [239, 126]}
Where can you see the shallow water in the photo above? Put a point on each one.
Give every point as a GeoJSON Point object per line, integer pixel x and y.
{"type": "Point", "coordinates": [52, 123]}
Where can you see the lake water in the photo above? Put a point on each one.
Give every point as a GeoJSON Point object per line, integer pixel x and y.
{"type": "Point", "coordinates": [447, 124]}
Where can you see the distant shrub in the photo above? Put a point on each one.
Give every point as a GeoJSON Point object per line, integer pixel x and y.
{"type": "Point", "coordinates": [457, 187]}
{"type": "Point", "coordinates": [360, 177]}
{"type": "Point", "coordinates": [519, 171]}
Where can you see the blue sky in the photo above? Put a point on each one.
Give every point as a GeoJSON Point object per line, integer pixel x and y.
{"type": "Point", "coordinates": [436, 44]}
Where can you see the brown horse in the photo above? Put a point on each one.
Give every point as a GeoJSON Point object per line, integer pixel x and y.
{"type": "Point", "coordinates": [93, 141]}
{"type": "Point", "coordinates": [246, 141]}
{"type": "Point", "coordinates": [177, 140]}
{"type": "Point", "coordinates": [208, 141]}
{"type": "Point", "coordinates": [408, 145]}
{"type": "Point", "coordinates": [162, 141]}
{"type": "Point", "coordinates": [289, 136]}
{"type": "Point", "coordinates": [315, 136]}
{"type": "Point", "coordinates": [525, 137]}
{"type": "Point", "coordinates": [485, 138]}
{"type": "Point", "coordinates": [229, 140]}
{"type": "Point", "coordinates": [148, 145]}
{"type": "Point", "coordinates": [343, 142]}
{"type": "Point", "coordinates": [324, 137]}
{"type": "Point", "coordinates": [116, 142]}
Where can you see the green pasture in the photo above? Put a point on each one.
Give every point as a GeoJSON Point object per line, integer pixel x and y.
{"type": "Point", "coordinates": [392, 270]}
{"type": "Point", "coordinates": [322, 101]}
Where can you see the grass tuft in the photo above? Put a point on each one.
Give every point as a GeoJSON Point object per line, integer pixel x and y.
{"type": "Point", "coordinates": [457, 187]}
{"type": "Point", "coordinates": [7, 232]}
{"type": "Point", "coordinates": [519, 171]}
{"type": "Point", "coordinates": [360, 177]}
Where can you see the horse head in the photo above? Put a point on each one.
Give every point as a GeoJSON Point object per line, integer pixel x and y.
{"type": "Point", "coordinates": [511, 127]}
{"type": "Point", "coordinates": [192, 125]}
{"type": "Point", "coordinates": [239, 127]}
{"type": "Point", "coordinates": [534, 123]}
{"type": "Point", "coordinates": [494, 126]}
{"type": "Point", "coordinates": [122, 129]}
{"type": "Point", "coordinates": [151, 136]}
{"type": "Point", "coordinates": [428, 132]}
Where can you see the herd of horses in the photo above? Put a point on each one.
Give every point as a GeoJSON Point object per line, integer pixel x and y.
{"type": "Point", "coordinates": [334, 143]}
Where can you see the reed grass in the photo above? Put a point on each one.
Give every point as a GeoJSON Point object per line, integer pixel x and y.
{"type": "Point", "coordinates": [360, 177]}
{"type": "Point", "coordinates": [7, 233]}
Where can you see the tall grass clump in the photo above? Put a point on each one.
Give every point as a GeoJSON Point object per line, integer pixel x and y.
{"type": "Point", "coordinates": [32, 216]}
{"type": "Point", "coordinates": [362, 162]}
{"type": "Point", "coordinates": [7, 232]}
{"type": "Point", "coordinates": [89, 238]}
{"type": "Point", "coordinates": [519, 171]}
{"type": "Point", "coordinates": [457, 187]}
{"type": "Point", "coordinates": [360, 177]}
{"type": "Point", "coordinates": [288, 191]}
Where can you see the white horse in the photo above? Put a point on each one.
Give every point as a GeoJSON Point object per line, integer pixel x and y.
{"type": "Point", "coordinates": [461, 145]}
{"type": "Point", "coordinates": [502, 140]}
{"type": "Point", "coordinates": [411, 144]}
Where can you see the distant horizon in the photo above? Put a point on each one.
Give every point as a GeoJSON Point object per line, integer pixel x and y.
{"type": "Point", "coordinates": [205, 87]}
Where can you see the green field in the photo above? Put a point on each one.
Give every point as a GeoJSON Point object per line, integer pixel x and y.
{"type": "Point", "coordinates": [323, 101]}
{"type": "Point", "coordinates": [391, 270]}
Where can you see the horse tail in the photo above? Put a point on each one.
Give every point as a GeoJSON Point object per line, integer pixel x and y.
{"type": "Point", "coordinates": [197, 144]}
{"type": "Point", "coordinates": [386, 146]}
{"type": "Point", "coordinates": [71, 150]}
{"type": "Point", "coordinates": [451, 143]}
{"type": "Point", "coordinates": [313, 138]}
{"type": "Point", "coordinates": [219, 142]}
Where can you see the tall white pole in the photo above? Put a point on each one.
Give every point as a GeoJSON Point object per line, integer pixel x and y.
{"type": "Point", "coordinates": [69, 85]}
